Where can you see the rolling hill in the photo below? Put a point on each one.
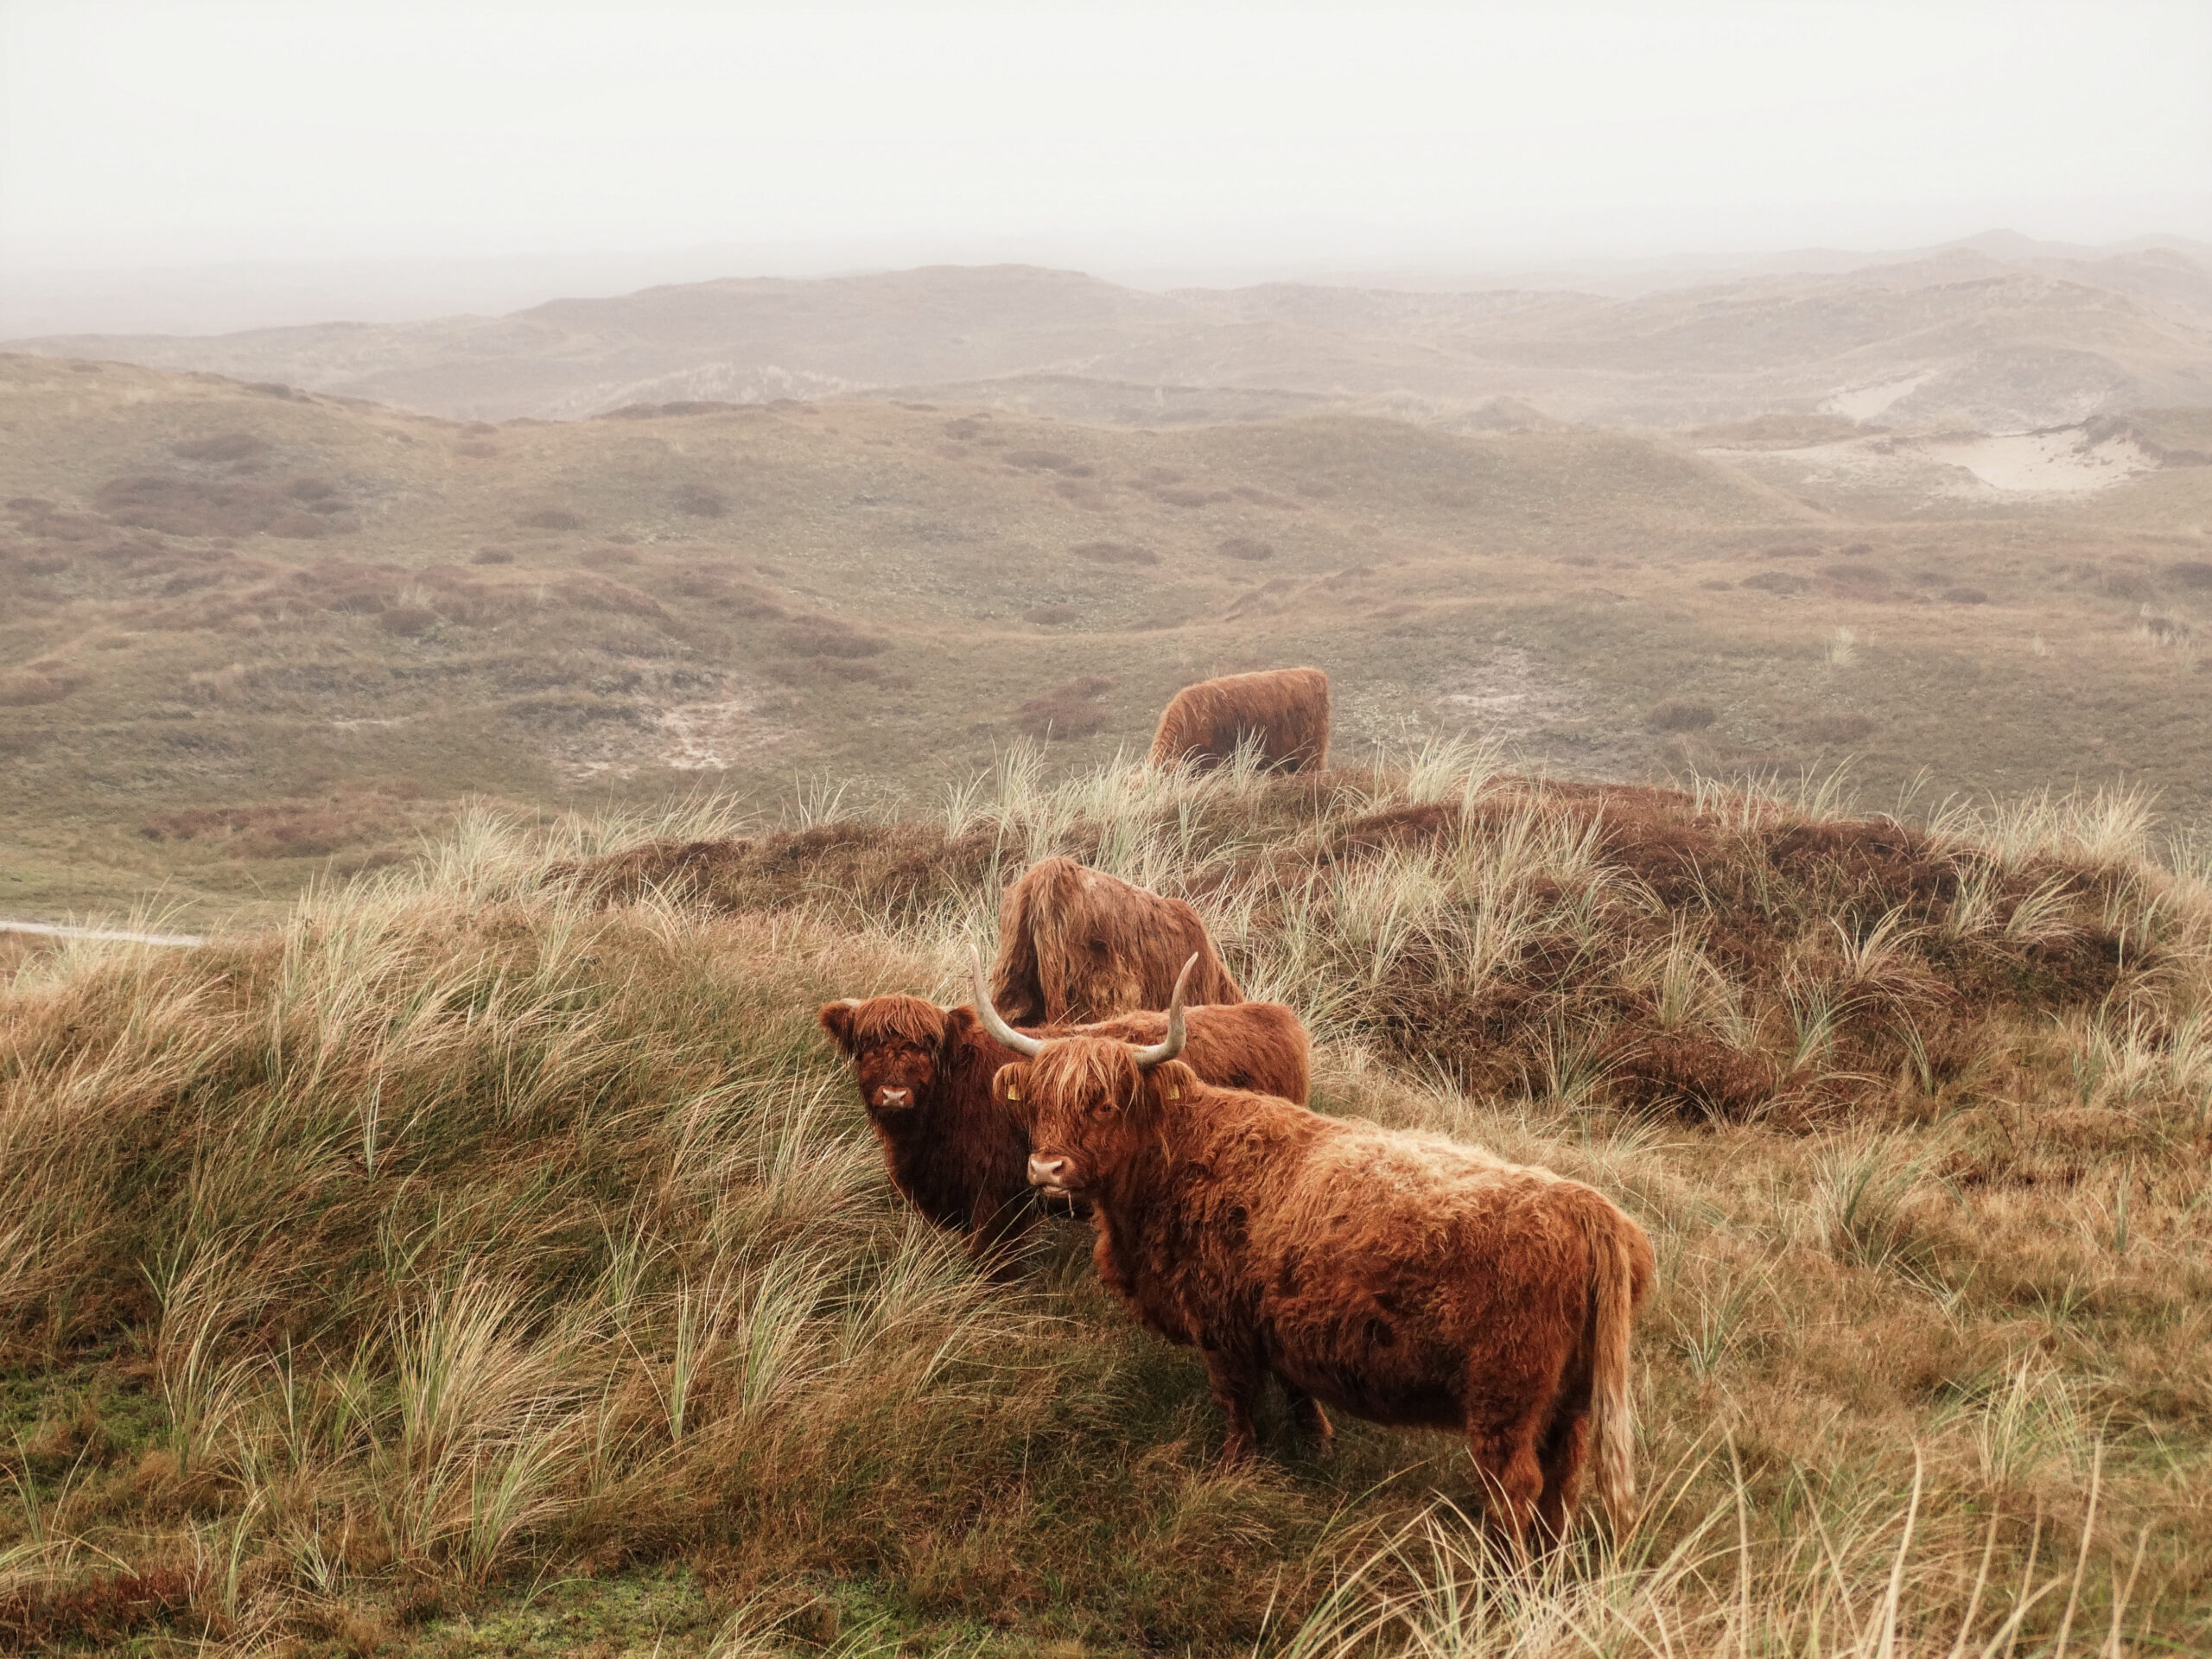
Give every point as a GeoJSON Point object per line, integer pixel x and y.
{"type": "Point", "coordinates": [254, 633]}
{"type": "Point", "coordinates": [1995, 334]}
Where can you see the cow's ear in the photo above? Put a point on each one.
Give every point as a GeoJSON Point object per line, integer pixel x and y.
{"type": "Point", "coordinates": [1171, 1083]}
{"type": "Point", "coordinates": [836, 1019]}
{"type": "Point", "coordinates": [959, 1024]}
{"type": "Point", "coordinates": [1011, 1082]}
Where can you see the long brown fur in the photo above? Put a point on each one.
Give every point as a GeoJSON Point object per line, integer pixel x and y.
{"type": "Point", "coordinates": [1287, 708]}
{"type": "Point", "coordinates": [1401, 1277]}
{"type": "Point", "coordinates": [959, 1151]}
{"type": "Point", "coordinates": [1077, 945]}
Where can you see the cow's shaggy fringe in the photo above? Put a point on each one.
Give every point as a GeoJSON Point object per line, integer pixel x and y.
{"type": "Point", "coordinates": [505, 1220]}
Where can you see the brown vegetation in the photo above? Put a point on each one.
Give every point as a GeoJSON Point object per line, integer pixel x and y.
{"type": "Point", "coordinates": [21, 688]}
{"type": "Point", "coordinates": [1049, 460]}
{"type": "Point", "coordinates": [221, 446]}
{"type": "Point", "coordinates": [183, 505]}
{"type": "Point", "coordinates": [828, 636]}
{"type": "Point", "coordinates": [1115, 553]}
{"type": "Point", "coordinates": [313, 828]}
{"type": "Point", "coordinates": [1778, 581]}
{"type": "Point", "coordinates": [1071, 709]}
{"type": "Point", "coordinates": [1681, 716]}
{"type": "Point", "coordinates": [702, 501]}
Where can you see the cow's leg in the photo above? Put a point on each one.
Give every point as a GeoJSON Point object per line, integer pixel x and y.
{"type": "Point", "coordinates": [1505, 1450]}
{"type": "Point", "coordinates": [1235, 1378]}
{"type": "Point", "coordinates": [1307, 1419]}
{"type": "Point", "coordinates": [1564, 1446]}
{"type": "Point", "coordinates": [996, 1233]}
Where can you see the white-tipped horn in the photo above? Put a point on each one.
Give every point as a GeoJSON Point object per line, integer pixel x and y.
{"type": "Point", "coordinates": [1027, 1047]}
{"type": "Point", "coordinates": [1148, 1058]}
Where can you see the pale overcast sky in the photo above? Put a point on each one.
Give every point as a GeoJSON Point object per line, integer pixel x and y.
{"type": "Point", "coordinates": [185, 133]}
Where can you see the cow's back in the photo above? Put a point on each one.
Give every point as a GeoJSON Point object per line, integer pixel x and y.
{"type": "Point", "coordinates": [1259, 1048]}
{"type": "Point", "coordinates": [1077, 945]}
{"type": "Point", "coordinates": [1286, 710]}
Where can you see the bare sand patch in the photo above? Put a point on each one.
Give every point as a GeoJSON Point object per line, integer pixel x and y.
{"type": "Point", "coordinates": [1509, 696]}
{"type": "Point", "coordinates": [682, 737]}
{"type": "Point", "coordinates": [1864, 403]}
{"type": "Point", "coordinates": [2061, 461]}
{"type": "Point", "coordinates": [2056, 462]}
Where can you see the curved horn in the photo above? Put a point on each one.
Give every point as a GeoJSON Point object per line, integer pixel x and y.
{"type": "Point", "coordinates": [1148, 1058]}
{"type": "Point", "coordinates": [1027, 1047]}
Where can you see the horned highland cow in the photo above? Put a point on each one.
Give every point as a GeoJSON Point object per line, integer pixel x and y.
{"type": "Point", "coordinates": [1285, 709]}
{"type": "Point", "coordinates": [959, 1153]}
{"type": "Point", "coordinates": [1077, 945]}
{"type": "Point", "coordinates": [1401, 1277]}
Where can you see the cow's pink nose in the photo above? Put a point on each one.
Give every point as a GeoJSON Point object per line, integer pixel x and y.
{"type": "Point", "coordinates": [1047, 1171]}
{"type": "Point", "coordinates": [895, 1098]}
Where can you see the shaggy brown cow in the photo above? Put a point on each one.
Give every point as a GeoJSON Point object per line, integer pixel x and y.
{"type": "Point", "coordinates": [1285, 708]}
{"type": "Point", "coordinates": [1077, 944]}
{"type": "Point", "coordinates": [959, 1153]}
{"type": "Point", "coordinates": [1401, 1277]}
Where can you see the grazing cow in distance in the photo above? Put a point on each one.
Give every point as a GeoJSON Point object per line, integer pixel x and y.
{"type": "Point", "coordinates": [1077, 945]}
{"type": "Point", "coordinates": [1286, 710]}
{"type": "Point", "coordinates": [1401, 1277]}
{"type": "Point", "coordinates": [961, 1155]}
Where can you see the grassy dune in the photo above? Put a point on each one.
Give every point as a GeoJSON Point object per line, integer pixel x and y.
{"type": "Point", "coordinates": [490, 1257]}
{"type": "Point", "coordinates": [253, 637]}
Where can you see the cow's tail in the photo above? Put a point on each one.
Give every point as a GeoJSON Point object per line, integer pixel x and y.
{"type": "Point", "coordinates": [1620, 1259]}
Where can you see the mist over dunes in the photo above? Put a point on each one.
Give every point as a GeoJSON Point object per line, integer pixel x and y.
{"type": "Point", "coordinates": [1998, 332]}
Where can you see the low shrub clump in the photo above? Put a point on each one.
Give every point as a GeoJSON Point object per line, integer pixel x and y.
{"type": "Point", "coordinates": [1072, 709]}
{"type": "Point", "coordinates": [1679, 716]}
{"type": "Point", "coordinates": [1115, 553]}
{"type": "Point", "coordinates": [828, 636]}
{"type": "Point", "coordinates": [186, 505]}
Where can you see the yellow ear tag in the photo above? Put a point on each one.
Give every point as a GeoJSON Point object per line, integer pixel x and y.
{"type": "Point", "coordinates": [1175, 1094]}
{"type": "Point", "coordinates": [1013, 1093]}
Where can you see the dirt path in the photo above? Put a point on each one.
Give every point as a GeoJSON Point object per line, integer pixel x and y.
{"type": "Point", "coordinates": [62, 930]}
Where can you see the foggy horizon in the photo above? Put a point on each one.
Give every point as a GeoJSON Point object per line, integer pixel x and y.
{"type": "Point", "coordinates": [419, 162]}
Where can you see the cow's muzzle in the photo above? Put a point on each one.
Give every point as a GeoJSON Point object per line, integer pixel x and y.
{"type": "Point", "coordinates": [1052, 1175]}
{"type": "Point", "coordinates": [893, 1099]}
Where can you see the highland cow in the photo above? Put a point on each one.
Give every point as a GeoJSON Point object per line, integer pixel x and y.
{"type": "Point", "coordinates": [1285, 709]}
{"type": "Point", "coordinates": [1401, 1277]}
{"type": "Point", "coordinates": [1077, 945]}
{"type": "Point", "coordinates": [958, 1153]}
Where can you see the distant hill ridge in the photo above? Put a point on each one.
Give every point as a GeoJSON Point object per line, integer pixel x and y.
{"type": "Point", "coordinates": [1999, 333]}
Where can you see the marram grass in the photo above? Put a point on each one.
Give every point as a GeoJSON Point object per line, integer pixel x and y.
{"type": "Point", "coordinates": [499, 1231]}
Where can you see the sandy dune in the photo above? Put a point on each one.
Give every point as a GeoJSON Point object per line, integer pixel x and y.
{"type": "Point", "coordinates": [2059, 462]}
